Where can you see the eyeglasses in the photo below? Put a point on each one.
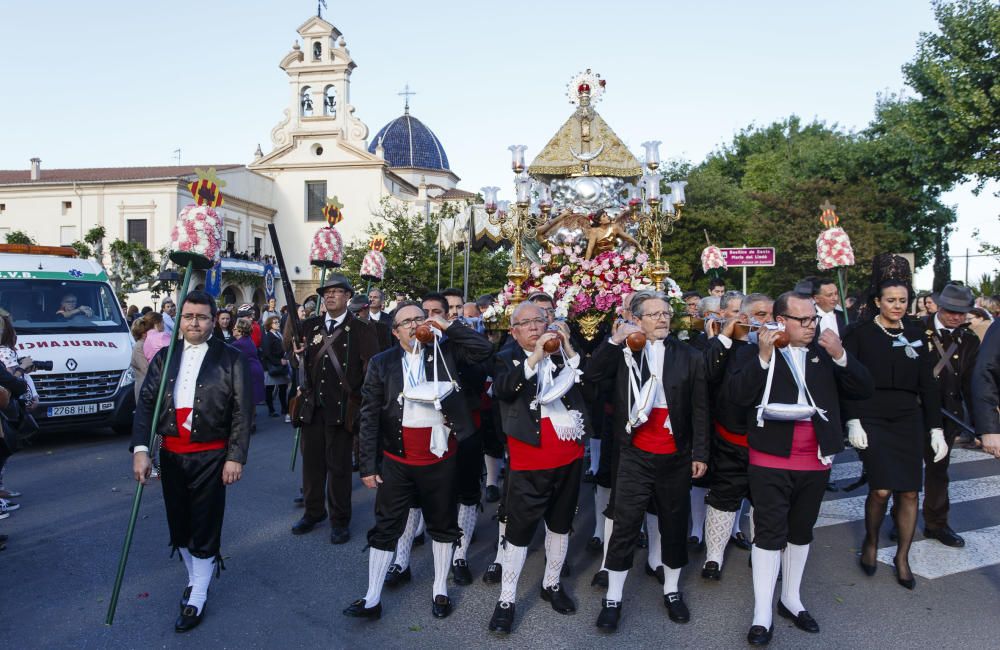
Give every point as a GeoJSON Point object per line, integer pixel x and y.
{"type": "Point", "coordinates": [410, 322]}
{"type": "Point", "coordinates": [804, 321]}
{"type": "Point", "coordinates": [531, 322]}
{"type": "Point", "coordinates": [660, 315]}
{"type": "Point", "coordinates": [201, 318]}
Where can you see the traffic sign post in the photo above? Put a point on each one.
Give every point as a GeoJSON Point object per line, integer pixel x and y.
{"type": "Point", "coordinates": [744, 257]}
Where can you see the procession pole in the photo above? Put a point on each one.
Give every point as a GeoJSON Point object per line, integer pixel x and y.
{"type": "Point", "coordinates": [439, 256]}
{"type": "Point", "coordinates": [842, 276]}
{"type": "Point", "coordinates": [127, 544]}
{"type": "Point", "coordinates": [298, 430]}
{"type": "Point", "coordinates": [468, 252]}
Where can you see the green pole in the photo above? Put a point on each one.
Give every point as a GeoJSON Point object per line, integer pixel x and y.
{"type": "Point", "coordinates": [298, 430]}
{"type": "Point", "coordinates": [127, 544]}
{"type": "Point", "coordinates": [842, 276]}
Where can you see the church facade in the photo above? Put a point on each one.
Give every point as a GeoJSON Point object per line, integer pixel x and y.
{"type": "Point", "coordinates": [319, 150]}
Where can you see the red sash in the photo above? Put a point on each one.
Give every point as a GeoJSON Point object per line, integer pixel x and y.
{"type": "Point", "coordinates": [652, 437]}
{"type": "Point", "coordinates": [417, 447]}
{"type": "Point", "coordinates": [550, 453]}
{"type": "Point", "coordinates": [182, 443]}
{"type": "Point", "coordinates": [738, 439]}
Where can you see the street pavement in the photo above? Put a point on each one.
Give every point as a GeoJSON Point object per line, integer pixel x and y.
{"type": "Point", "coordinates": [281, 591]}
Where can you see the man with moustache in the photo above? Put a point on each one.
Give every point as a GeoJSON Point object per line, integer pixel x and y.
{"type": "Point", "coordinates": [206, 419]}
{"type": "Point", "coordinates": [728, 484]}
{"type": "Point", "coordinates": [662, 426]}
{"type": "Point", "coordinates": [338, 347]}
{"type": "Point", "coordinates": [545, 416]}
{"type": "Point", "coordinates": [409, 439]}
{"type": "Point", "coordinates": [792, 400]}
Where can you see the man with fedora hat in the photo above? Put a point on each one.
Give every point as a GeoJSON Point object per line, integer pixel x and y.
{"type": "Point", "coordinates": [337, 349]}
{"type": "Point", "coordinates": [953, 348]}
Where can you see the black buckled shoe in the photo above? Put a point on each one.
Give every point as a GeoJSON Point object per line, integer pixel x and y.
{"type": "Point", "coordinates": [676, 609]}
{"type": "Point", "coordinates": [803, 620]}
{"type": "Point", "coordinates": [397, 575]}
{"type": "Point", "coordinates": [711, 571]}
{"type": "Point", "coordinates": [340, 535]}
{"type": "Point", "coordinates": [611, 613]}
{"type": "Point", "coordinates": [494, 574]}
{"type": "Point", "coordinates": [600, 579]}
{"type": "Point", "coordinates": [492, 494]}
{"type": "Point", "coordinates": [946, 536]}
{"type": "Point", "coordinates": [656, 573]}
{"type": "Point", "coordinates": [558, 599]}
{"type": "Point", "coordinates": [595, 545]}
{"type": "Point", "coordinates": [357, 609]}
{"type": "Point", "coordinates": [739, 540]}
{"type": "Point", "coordinates": [760, 635]}
{"type": "Point", "coordinates": [503, 618]}
{"type": "Point", "coordinates": [189, 619]}
{"type": "Point", "coordinates": [441, 606]}
{"type": "Point", "coordinates": [460, 573]}
{"type": "Point", "coordinates": [304, 525]}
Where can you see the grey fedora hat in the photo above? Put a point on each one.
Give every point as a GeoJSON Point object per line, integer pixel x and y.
{"type": "Point", "coordinates": [954, 297]}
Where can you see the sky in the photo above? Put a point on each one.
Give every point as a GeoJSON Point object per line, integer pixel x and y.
{"type": "Point", "coordinates": [114, 83]}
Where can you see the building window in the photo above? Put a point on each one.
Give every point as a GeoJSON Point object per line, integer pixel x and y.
{"type": "Point", "coordinates": [315, 200]}
{"type": "Point", "coordinates": [66, 207]}
{"type": "Point", "coordinates": [317, 51]}
{"type": "Point", "coordinates": [330, 101]}
{"type": "Point", "coordinates": [231, 241]}
{"type": "Point", "coordinates": [306, 102]}
{"type": "Point", "coordinates": [256, 246]}
{"type": "Point", "coordinates": [3, 208]}
{"type": "Point", "coordinates": [67, 235]}
{"type": "Point", "coordinates": [135, 231]}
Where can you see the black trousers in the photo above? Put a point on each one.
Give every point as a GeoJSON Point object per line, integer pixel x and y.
{"type": "Point", "coordinates": [534, 494]}
{"type": "Point", "coordinates": [327, 470]}
{"type": "Point", "coordinates": [609, 452]}
{"type": "Point", "coordinates": [664, 479]}
{"type": "Point", "coordinates": [470, 469]}
{"type": "Point", "coordinates": [282, 390]}
{"type": "Point", "coordinates": [936, 504]}
{"type": "Point", "coordinates": [493, 436]}
{"type": "Point", "coordinates": [195, 498]}
{"type": "Point", "coordinates": [433, 485]}
{"type": "Point", "coordinates": [728, 485]}
{"type": "Point", "coordinates": [785, 505]}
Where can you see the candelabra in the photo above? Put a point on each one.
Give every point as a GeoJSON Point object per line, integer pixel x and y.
{"type": "Point", "coordinates": [656, 213]}
{"type": "Point", "coordinates": [521, 219]}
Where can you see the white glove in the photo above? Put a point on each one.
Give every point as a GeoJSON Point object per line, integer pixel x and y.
{"type": "Point", "coordinates": [938, 444]}
{"type": "Point", "coordinates": [856, 434]}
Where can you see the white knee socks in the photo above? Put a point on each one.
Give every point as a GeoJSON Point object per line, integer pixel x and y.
{"type": "Point", "coordinates": [609, 526]}
{"type": "Point", "coordinates": [442, 562]}
{"type": "Point", "coordinates": [556, 546]}
{"type": "Point", "coordinates": [601, 497]}
{"type": "Point", "coordinates": [672, 578]}
{"type": "Point", "coordinates": [751, 528]}
{"type": "Point", "coordinates": [201, 576]}
{"type": "Point", "coordinates": [188, 564]}
{"type": "Point", "coordinates": [655, 557]}
{"type": "Point", "coordinates": [718, 528]}
{"type": "Point", "coordinates": [513, 562]}
{"type": "Point", "coordinates": [793, 565]}
{"type": "Point", "coordinates": [493, 466]}
{"type": "Point", "coordinates": [467, 522]}
{"type": "Point", "coordinates": [737, 524]}
{"type": "Point", "coordinates": [698, 511]}
{"type": "Point", "coordinates": [595, 455]}
{"type": "Point", "coordinates": [405, 542]}
{"type": "Point", "coordinates": [378, 564]}
{"type": "Point", "coordinates": [765, 576]}
{"type": "Point", "coordinates": [616, 584]}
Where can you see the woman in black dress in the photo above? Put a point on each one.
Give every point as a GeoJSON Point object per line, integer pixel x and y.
{"type": "Point", "coordinates": [891, 427]}
{"type": "Point", "coordinates": [276, 375]}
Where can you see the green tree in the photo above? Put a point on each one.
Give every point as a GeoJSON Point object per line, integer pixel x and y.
{"type": "Point", "coordinates": [133, 267]}
{"type": "Point", "coordinates": [411, 254]}
{"type": "Point", "coordinates": [19, 237]}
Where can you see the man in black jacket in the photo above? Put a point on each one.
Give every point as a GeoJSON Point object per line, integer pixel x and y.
{"type": "Point", "coordinates": [986, 391]}
{"type": "Point", "coordinates": [792, 400]}
{"type": "Point", "coordinates": [662, 426]}
{"type": "Point", "coordinates": [413, 417]}
{"type": "Point", "coordinates": [545, 416]}
{"type": "Point", "coordinates": [205, 420]}
{"type": "Point", "coordinates": [337, 349]}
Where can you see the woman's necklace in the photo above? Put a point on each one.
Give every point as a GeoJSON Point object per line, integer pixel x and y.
{"type": "Point", "coordinates": [878, 321]}
{"type": "Point", "coordinates": [899, 339]}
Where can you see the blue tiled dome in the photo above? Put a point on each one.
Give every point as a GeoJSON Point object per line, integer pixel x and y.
{"type": "Point", "coordinates": [409, 143]}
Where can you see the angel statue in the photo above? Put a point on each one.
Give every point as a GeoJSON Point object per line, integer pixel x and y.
{"type": "Point", "coordinates": [600, 231]}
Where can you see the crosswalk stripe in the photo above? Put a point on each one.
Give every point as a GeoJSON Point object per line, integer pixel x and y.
{"type": "Point", "coordinates": [851, 470]}
{"type": "Point", "coordinates": [932, 559]}
{"type": "Point", "coordinates": [840, 511]}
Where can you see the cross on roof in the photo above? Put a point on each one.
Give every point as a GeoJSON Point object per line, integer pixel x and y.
{"type": "Point", "coordinates": [407, 93]}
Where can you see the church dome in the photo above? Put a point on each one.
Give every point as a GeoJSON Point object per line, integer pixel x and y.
{"type": "Point", "coordinates": [407, 142]}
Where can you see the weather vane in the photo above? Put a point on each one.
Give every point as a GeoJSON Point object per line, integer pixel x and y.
{"type": "Point", "coordinates": [320, 5]}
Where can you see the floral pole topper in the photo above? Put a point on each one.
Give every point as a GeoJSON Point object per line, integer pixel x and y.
{"type": "Point", "coordinates": [373, 265]}
{"type": "Point", "coordinates": [196, 237]}
{"type": "Point", "coordinates": [713, 262]}
{"type": "Point", "coordinates": [833, 249]}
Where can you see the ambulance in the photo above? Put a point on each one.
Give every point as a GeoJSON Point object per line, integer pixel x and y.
{"type": "Point", "coordinates": [67, 317]}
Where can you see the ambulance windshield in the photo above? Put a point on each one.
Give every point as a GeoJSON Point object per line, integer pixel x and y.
{"type": "Point", "coordinates": [61, 306]}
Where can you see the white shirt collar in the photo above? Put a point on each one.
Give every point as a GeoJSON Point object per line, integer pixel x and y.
{"type": "Point", "coordinates": [939, 326]}
{"type": "Point", "coordinates": [336, 321]}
